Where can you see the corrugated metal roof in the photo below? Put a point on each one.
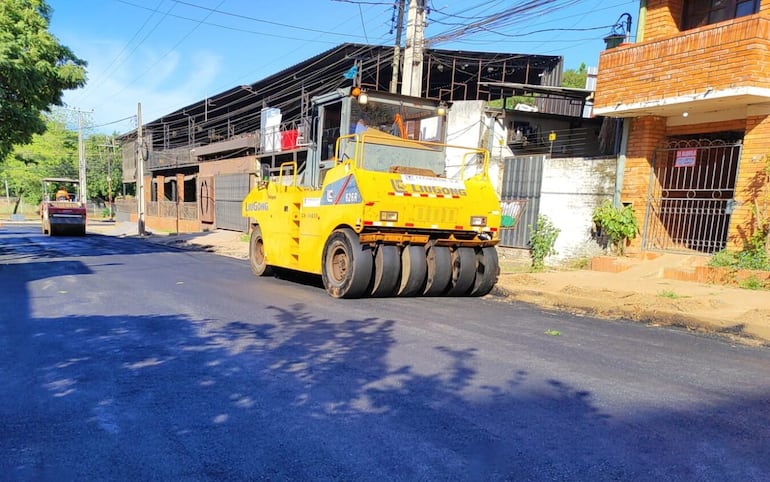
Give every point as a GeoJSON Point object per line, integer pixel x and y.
{"type": "Point", "coordinates": [449, 75]}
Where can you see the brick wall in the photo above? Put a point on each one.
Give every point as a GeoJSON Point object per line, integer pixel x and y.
{"type": "Point", "coordinates": [752, 184]}
{"type": "Point", "coordinates": [646, 135]}
{"type": "Point", "coordinates": [722, 56]}
{"type": "Point", "coordinates": [738, 125]}
{"type": "Point", "coordinates": [663, 18]}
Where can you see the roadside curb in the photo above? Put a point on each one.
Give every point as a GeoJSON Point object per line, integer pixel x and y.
{"type": "Point", "coordinates": [584, 306]}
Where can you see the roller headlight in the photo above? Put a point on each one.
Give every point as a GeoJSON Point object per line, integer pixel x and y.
{"type": "Point", "coordinates": [389, 216]}
{"type": "Point", "coordinates": [478, 221]}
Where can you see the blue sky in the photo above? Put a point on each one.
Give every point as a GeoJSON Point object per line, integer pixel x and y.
{"type": "Point", "coordinates": [167, 54]}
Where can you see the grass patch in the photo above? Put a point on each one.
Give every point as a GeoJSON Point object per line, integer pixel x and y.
{"type": "Point", "coordinates": [751, 283]}
{"type": "Point", "coordinates": [580, 263]}
{"type": "Point", "coordinates": [672, 295]}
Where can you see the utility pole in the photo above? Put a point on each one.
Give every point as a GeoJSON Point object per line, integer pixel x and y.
{"type": "Point", "coordinates": [82, 162]}
{"type": "Point", "coordinates": [109, 154]}
{"type": "Point", "coordinates": [139, 171]}
{"type": "Point", "coordinates": [109, 178]}
{"type": "Point", "coordinates": [397, 48]}
{"type": "Point", "coordinates": [413, 51]}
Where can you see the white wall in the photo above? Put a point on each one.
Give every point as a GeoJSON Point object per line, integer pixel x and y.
{"type": "Point", "coordinates": [468, 124]}
{"type": "Point", "coordinates": [571, 190]}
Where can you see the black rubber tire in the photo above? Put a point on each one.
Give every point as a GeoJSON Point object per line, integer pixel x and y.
{"type": "Point", "coordinates": [439, 276]}
{"type": "Point", "coordinates": [387, 271]}
{"type": "Point", "coordinates": [414, 271]}
{"type": "Point", "coordinates": [257, 258]}
{"type": "Point", "coordinates": [463, 272]}
{"type": "Point", "coordinates": [53, 230]}
{"type": "Point", "coordinates": [487, 271]}
{"type": "Point", "coordinates": [82, 230]}
{"type": "Point", "coordinates": [346, 268]}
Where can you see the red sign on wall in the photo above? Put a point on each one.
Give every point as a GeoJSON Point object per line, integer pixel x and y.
{"type": "Point", "coordinates": [685, 157]}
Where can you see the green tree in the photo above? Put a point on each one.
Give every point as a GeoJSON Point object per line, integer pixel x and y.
{"type": "Point", "coordinates": [575, 78]}
{"type": "Point", "coordinates": [35, 69]}
{"type": "Point", "coordinates": [51, 154]}
{"type": "Point", "coordinates": [103, 165]}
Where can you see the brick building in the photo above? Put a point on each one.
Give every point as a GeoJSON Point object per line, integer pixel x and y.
{"type": "Point", "coordinates": [692, 95]}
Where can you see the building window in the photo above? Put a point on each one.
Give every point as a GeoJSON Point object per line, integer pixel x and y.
{"type": "Point", "coordinates": [699, 12]}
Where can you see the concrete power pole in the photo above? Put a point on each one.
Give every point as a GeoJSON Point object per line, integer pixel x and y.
{"type": "Point", "coordinates": [139, 172]}
{"type": "Point", "coordinates": [413, 52]}
{"type": "Point", "coordinates": [82, 162]}
{"type": "Point", "coordinates": [397, 49]}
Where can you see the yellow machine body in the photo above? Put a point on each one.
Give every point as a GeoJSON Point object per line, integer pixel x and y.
{"type": "Point", "coordinates": [380, 192]}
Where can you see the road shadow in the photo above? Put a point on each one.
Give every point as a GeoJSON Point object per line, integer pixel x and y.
{"type": "Point", "coordinates": [288, 395]}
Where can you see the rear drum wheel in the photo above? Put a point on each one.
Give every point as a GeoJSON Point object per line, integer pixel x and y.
{"type": "Point", "coordinates": [257, 258]}
{"type": "Point", "coordinates": [463, 271]}
{"type": "Point", "coordinates": [487, 271]}
{"type": "Point", "coordinates": [387, 271]}
{"type": "Point", "coordinates": [346, 267]}
{"type": "Point", "coordinates": [439, 269]}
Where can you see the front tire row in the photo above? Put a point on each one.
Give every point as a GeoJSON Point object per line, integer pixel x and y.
{"type": "Point", "coordinates": [352, 270]}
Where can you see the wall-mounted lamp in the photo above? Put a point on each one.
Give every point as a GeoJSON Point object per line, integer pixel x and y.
{"type": "Point", "coordinates": [685, 114]}
{"type": "Point", "coordinates": [441, 109]}
{"type": "Point", "coordinates": [621, 32]}
{"type": "Point", "coordinates": [363, 97]}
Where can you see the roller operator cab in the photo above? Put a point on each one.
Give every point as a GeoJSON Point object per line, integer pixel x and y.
{"type": "Point", "coordinates": [62, 210]}
{"type": "Point", "coordinates": [379, 206]}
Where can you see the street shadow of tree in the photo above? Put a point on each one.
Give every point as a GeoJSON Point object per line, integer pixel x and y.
{"type": "Point", "coordinates": [289, 395]}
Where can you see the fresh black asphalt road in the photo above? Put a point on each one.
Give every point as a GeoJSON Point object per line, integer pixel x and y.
{"type": "Point", "coordinates": [121, 359]}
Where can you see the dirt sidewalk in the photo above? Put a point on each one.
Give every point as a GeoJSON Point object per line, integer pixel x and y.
{"type": "Point", "coordinates": [639, 293]}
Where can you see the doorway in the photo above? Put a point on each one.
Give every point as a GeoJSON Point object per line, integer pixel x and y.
{"type": "Point", "coordinates": [691, 195]}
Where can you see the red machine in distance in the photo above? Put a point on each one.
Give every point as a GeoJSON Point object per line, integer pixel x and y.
{"type": "Point", "coordinates": [62, 210]}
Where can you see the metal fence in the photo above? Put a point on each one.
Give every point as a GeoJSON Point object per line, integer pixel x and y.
{"type": "Point", "coordinates": [230, 189]}
{"type": "Point", "coordinates": [520, 198]}
{"type": "Point", "coordinates": [691, 196]}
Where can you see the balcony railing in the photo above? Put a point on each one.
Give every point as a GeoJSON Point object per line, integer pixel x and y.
{"type": "Point", "coordinates": [171, 158]}
{"type": "Point", "coordinates": [169, 209]}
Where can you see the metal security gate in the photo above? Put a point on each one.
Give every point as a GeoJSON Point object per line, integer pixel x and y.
{"type": "Point", "coordinates": [520, 198]}
{"type": "Point", "coordinates": [230, 189]}
{"type": "Point", "coordinates": [691, 196]}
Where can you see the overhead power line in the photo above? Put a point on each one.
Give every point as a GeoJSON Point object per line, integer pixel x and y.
{"type": "Point", "coordinates": [114, 64]}
{"type": "Point", "coordinates": [113, 122]}
{"type": "Point", "coordinates": [515, 14]}
{"type": "Point", "coordinates": [259, 20]}
{"type": "Point", "coordinates": [272, 35]}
